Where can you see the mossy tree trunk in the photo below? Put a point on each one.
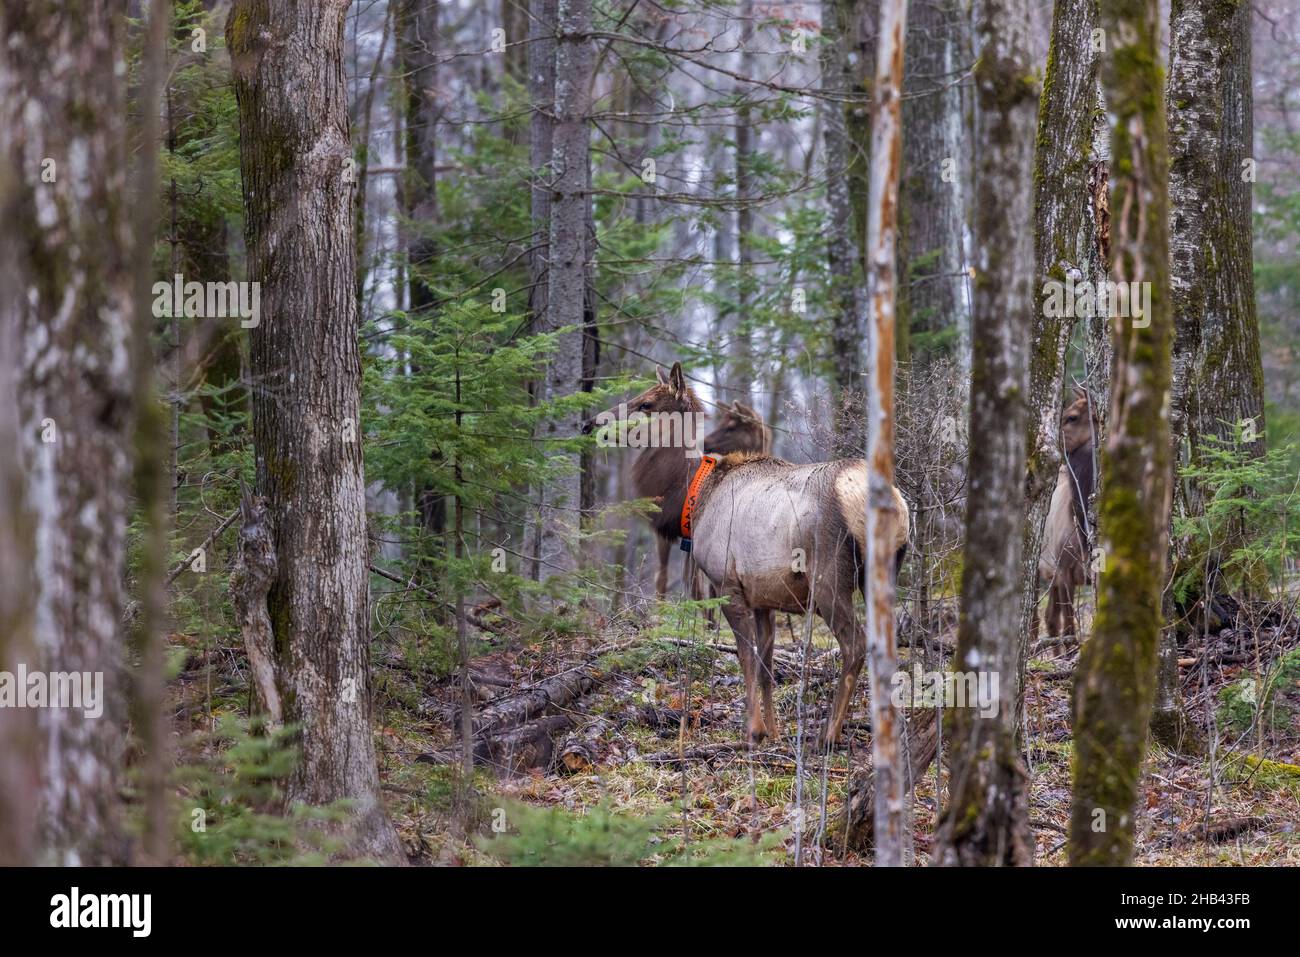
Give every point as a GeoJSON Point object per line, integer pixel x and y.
{"type": "Point", "coordinates": [1218, 379]}
{"type": "Point", "coordinates": [295, 160]}
{"type": "Point", "coordinates": [1066, 244]}
{"type": "Point", "coordinates": [986, 822]}
{"type": "Point", "coordinates": [843, 242]}
{"type": "Point", "coordinates": [69, 259]}
{"type": "Point", "coordinates": [1115, 682]}
{"type": "Point", "coordinates": [860, 21]}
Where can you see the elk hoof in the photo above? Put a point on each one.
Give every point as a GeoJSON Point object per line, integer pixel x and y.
{"type": "Point", "coordinates": [755, 737]}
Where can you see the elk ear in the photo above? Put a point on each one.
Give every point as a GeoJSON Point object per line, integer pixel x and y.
{"type": "Point", "coordinates": [737, 408]}
{"type": "Point", "coordinates": [1080, 392]}
{"type": "Point", "coordinates": [659, 374]}
{"type": "Point", "coordinates": [676, 379]}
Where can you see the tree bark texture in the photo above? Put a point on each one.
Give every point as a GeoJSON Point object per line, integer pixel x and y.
{"type": "Point", "coordinates": [936, 158]}
{"type": "Point", "coordinates": [567, 280]}
{"type": "Point", "coordinates": [67, 228]}
{"type": "Point", "coordinates": [295, 156]}
{"type": "Point", "coordinates": [1115, 680]}
{"type": "Point", "coordinates": [987, 819]}
{"type": "Point", "coordinates": [1066, 244]}
{"type": "Point", "coordinates": [892, 830]}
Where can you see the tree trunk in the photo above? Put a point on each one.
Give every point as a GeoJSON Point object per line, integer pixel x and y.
{"type": "Point", "coordinates": [417, 46]}
{"type": "Point", "coordinates": [295, 158]}
{"type": "Point", "coordinates": [893, 845]}
{"type": "Point", "coordinates": [514, 21]}
{"type": "Point", "coordinates": [1218, 379]}
{"type": "Point", "coordinates": [931, 200]}
{"type": "Point", "coordinates": [62, 86]}
{"type": "Point", "coordinates": [19, 741]}
{"type": "Point", "coordinates": [541, 135]}
{"type": "Point", "coordinates": [742, 353]}
{"type": "Point", "coordinates": [154, 454]}
{"type": "Point", "coordinates": [843, 242]}
{"type": "Point", "coordinates": [860, 18]}
{"type": "Point", "coordinates": [1066, 243]}
{"type": "Point", "coordinates": [567, 282]}
{"type": "Point", "coordinates": [987, 818]}
{"type": "Point", "coordinates": [1115, 681]}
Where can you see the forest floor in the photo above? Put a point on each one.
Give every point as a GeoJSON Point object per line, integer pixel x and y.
{"type": "Point", "coordinates": [632, 753]}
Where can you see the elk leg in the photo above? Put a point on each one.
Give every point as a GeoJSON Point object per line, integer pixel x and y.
{"type": "Point", "coordinates": [838, 614]}
{"type": "Point", "coordinates": [765, 626]}
{"type": "Point", "coordinates": [1067, 610]}
{"type": "Point", "coordinates": [1053, 613]}
{"type": "Point", "coordinates": [742, 624]}
{"type": "Point", "coordinates": [661, 579]}
{"type": "Point", "coordinates": [697, 581]}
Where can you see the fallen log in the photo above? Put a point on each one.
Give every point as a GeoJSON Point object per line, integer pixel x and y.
{"type": "Point", "coordinates": [1222, 831]}
{"type": "Point", "coordinates": [553, 692]}
{"type": "Point", "coordinates": [514, 751]}
{"type": "Point", "coordinates": [853, 829]}
{"type": "Point", "coordinates": [581, 750]}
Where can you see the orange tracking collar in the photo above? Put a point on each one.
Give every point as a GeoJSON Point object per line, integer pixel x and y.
{"type": "Point", "coordinates": [702, 471]}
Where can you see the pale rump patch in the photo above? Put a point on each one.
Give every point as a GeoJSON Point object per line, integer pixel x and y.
{"type": "Point", "coordinates": [851, 493]}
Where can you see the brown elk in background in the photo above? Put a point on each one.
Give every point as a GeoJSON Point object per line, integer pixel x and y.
{"type": "Point", "coordinates": [739, 429]}
{"type": "Point", "coordinates": [770, 536]}
{"type": "Point", "coordinates": [1063, 561]}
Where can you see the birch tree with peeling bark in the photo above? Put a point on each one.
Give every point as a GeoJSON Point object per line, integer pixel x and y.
{"type": "Point", "coordinates": [892, 833]}
{"type": "Point", "coordinates": [986, 822]}
{"type": "Point", "coordinates": [296, 164]}
{"type": "Point", "coordinates": [567, 279]}
{"type": "Point", "coordinates": [1115, 680]}
{"type": "Point", "coordinates": [67, 229]}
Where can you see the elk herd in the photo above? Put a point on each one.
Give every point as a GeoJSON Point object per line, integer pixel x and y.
{"type": "Point", "coordinates": [772, 536]}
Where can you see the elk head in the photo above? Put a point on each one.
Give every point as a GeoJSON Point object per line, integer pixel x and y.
{"type": "Point", "coordinates": [664, 414]}
{"type": "Point", "coordinates": [740, 429]}
{"type": "Point", "coordinates": [1079, 422]}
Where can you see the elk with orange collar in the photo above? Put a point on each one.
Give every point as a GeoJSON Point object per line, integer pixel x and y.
{"type": "Point", "coordinates": [770, 536]}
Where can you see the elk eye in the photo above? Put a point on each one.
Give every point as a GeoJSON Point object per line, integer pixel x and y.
{"type": "Point", "coordinates": [645, 407]}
